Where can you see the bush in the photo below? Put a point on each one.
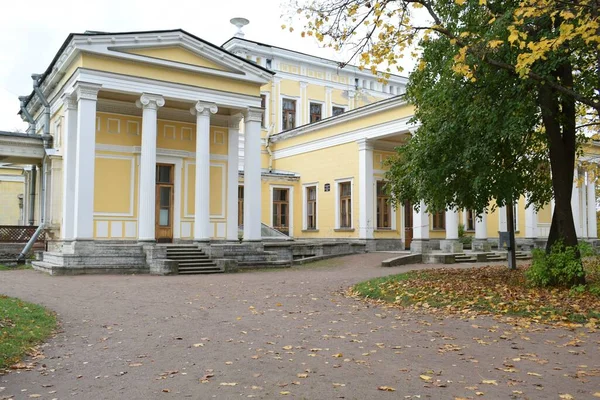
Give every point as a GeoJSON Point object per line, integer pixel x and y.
{"type": "Point", "coordinates": [464, 239]}
{"type": "Point", "coordinates": [561, 267]}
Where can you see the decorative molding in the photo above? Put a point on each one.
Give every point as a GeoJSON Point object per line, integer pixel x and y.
{"type": "Point", "coordinates": [159, 151]}
{"type": "Point", "coordinates": [205, 109]}
{"type": "Point", "coordinates": [234, 121]}
{"type": "Point", "coordinates": [69, 101]}
{"type": "Point", "coordinates": [364, 144]}
{"type": "Point", "coordinates": [86, 90]}
{"type": "Point", "coordinates": [150, 101]}
{"type": "Point", "coordinates": [253, 114]}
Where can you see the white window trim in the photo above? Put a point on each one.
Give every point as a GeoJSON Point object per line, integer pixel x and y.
{"type": "Point", "coordinates": [337, 201]}
{"type": "Point", "coordinates": [323, 106]}
{"type": "Point", "coordinates": [298, 101]}
{"type": "Point", "coordinates": [344, 106]}
{"type": "Point", "coordinates": [290, 211]}
{"type": "Point", "coordinates": [304, 208]}
{"type": "Point", "coordinates": [267, 109]}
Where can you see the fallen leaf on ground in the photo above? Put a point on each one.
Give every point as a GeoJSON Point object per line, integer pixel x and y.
{"type": "Point", "coordinates": [490, 382]}
{"type": "Point", "coordinates": [386, 389]}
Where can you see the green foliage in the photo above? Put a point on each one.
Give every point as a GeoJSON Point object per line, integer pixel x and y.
{"type": "Point", "coordinates": [478, 141]}
{"type": "Point", "coordinates": [463, 238]}
{"type": "Point", "coordinates": [22, 326]}
{"type": "Point", "coordinates": [562, 266]}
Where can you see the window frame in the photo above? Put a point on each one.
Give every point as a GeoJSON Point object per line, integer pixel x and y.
{"type": "Point", "coordinates": [310, 114]}
{"type": "Point", "coordinates": [385, 199]}
{"type": "Point", "coordinates": [290, 206]}
{"type": "Point", "coordinates": [440, 218]}
{"type": "Point", "coordinates": [338, 203]}
{"type": "Point", "coordinates": [296, 101]}
{"type": "Point", "coordinates": [266, 118]}
{"type": "Point", "coordinates": [305, 206]}
{"type": "Point", "coordinates": [344, 108]}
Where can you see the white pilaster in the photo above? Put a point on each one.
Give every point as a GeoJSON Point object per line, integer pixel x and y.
{"type": "Point", "coordinates": [304, 105]}
{"type": "Point", "coordinates": [531, 221]}
{"type": "Point", "coordinates": [202, 111]}
{"type": "Point", "coordinates": [365, 190]}
{"type": "Point", "coordinates": [252, 183]}
{"type": "Point", "coordinates": [69, 171]}
{"type": "Point", "coordinates": [421, 222]}
{"type": "Point", "coordinates": [583, 208]}
{"type": "Point", "coordinates": [232, 178]}
{"type": "Point", "coordinates": [452, 224]}
{"type": "Point", "coordinates": [592, 224]}
{"type": "Point", "coordinates": [149, 103]}
{"type": "Point", "coordinates": [85, 158]}
{"type": "Point", "coordinates": [327, 112]}
{"type": "Point", "coordinates": [575, 203]}
{"type": "Point", "coordinates": [481, 227]}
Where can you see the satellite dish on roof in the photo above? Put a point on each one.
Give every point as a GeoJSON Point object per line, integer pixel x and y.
{"type": "Point", "coordinates": [239, 23]}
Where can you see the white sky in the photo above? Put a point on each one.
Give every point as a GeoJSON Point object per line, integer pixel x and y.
{"type": "Point", "coordinates": [32, 31]}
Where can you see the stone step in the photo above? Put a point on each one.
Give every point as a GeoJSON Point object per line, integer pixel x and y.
{"type": "Point", "coordinates": [464, 258]}
{"type": "Point", "coordinates": [194, 263]}
{"type": "Point", "coordinates": [200, 270]}
{"type": "Point", "coordinates": [184, 257]}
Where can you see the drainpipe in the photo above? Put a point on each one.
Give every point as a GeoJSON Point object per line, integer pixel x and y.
{"type": "Point", "coordinates": [36, 88]}
{"type": "Point", "coordinates": [268, 147]}
{"type": "Point", "coordinates": [42, 226]}
{"type": "Point", "coordinates": [26, 116]}
{"type": "Point", "coordinates": [32, 183]}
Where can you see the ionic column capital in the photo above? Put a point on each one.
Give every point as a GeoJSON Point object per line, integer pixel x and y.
{"type": "Point", "coordinates": [234, 121]}
{"type": "Point", "coordinates": [86, 91]}
{"type": "Point", "coordinates": [150, 101]}
{"type": "Point", "coordinates": [253, 114]}
{"type": "Point", "coordinates": [69, 101]}
{"type": "Point", "coordinates": [203, 108]}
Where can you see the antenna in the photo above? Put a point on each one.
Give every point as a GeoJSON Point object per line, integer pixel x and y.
{"type": "Point", "coordinates": [239, 23]}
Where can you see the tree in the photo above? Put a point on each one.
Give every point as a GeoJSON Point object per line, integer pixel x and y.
{"type": "Point", "coordinates": [552, 46]}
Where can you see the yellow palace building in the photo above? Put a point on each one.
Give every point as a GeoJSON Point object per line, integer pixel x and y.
{"type": "Point", "coordinates": [160, 152]}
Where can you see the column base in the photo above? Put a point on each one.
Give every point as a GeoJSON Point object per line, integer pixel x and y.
{"type": "Point", "coordinates": [527, 244]}
{"type": "Point", "coordinates": [420, 246]}
{"type": "Point", "coordinates": [451, 246]}
{"type": "Point", "coordinates": [481, 246]}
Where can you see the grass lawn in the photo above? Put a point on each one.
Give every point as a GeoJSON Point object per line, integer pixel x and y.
{"type": "Point", "coordinates": [22, 326]}
{"type": "Point", "coordinates": [11, 268]}
{"type": "Point", "coordinates": [487, 290]}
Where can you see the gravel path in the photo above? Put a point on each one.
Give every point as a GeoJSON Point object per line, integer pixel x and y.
{"type": "Point", "coordinates": [284, 333]}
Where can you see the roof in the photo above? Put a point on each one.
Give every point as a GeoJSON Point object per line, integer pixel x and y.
{"type": "Point", "coordinates": [21, 135]}
{"type": "Point", "coordinates": [372, 107]}
{"type": "Point", "coordinates": [299, 52]}
{"type": "Point", "coordinates": [98, 33]}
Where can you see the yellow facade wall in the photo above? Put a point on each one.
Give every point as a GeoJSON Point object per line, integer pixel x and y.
{"type": "Point", "coordinates": [138, 69]}
{"type": "Point", "coordinates": [9, 201]}
{"type": "Point", "coordinates": [322, 167]}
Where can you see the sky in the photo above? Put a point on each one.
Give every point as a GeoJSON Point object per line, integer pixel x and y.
{"type": "Point", "coordinates": [32, 31]}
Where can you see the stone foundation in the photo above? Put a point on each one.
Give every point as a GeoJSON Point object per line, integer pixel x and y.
{"type": "Point", "coordinates": [451, 246]}
{"type": "Point", "coordinates": [481, 246]}
{"type": "Point", "coordinates": [421, 246]}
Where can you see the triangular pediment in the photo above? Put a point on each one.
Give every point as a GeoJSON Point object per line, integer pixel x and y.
{"type": "Point", "coordinates": [179, 55]}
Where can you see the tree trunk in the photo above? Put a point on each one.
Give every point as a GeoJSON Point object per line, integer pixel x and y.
{"type": "Point", "coordinates": [558, 115]}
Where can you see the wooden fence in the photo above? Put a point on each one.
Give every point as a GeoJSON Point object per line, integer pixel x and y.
{"type": "Point", "coordinates": [20, 234]}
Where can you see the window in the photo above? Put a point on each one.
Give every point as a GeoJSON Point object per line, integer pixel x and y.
{"type": "Point", "coordinates": [439, 220]}
{"type": "Point", "coordinates": [240, 205]}
{"type": "Point", "coordinates": [315, 112]}
{"type": "Point", "coordinates": [269, 63]}
{"type": "Point", "coordinates": [311, 208]}
{"type": "Point", "coordinates": [263, 104]}
{"type": "Point", "coordinates": [281, 208]}
{"type": "Point", "coordinates": [288, 114]}
{"type": "Point", "coordinates": [384, 209]}
{"type": "Point", "coordinates": [335, 111]}
{"type": "Point", "coordinates": [345, 205]}
{"type": "Point", "coordinates": [470, 217]}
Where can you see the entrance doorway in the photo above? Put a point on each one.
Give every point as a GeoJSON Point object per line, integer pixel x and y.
{"type": "Point", "coordinates": [408, 225]}
{"type": "Point", "coordinates": [164, 203]}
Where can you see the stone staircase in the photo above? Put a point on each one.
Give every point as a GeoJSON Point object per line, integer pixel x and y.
{"type": "Point", "coordinates": [464, 258]}
{"type": "Point", "coordinates": [497, 256]}
{"type": "Point", "coordinates": [192, 260]}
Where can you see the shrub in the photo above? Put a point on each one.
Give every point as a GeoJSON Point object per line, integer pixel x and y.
{"type": "Point", "coordinates": [562, 266]}
{"type": "Point", "coordinates": [464, 239]}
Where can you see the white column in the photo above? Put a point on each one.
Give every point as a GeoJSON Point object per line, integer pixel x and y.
{"type": "Point", "coordinates": [149, 103]}
{"type": "Point", "coordinates": [304, 106]}
{"type": "Point", "coordinates": [327, 112]}
{"type": "Point", "coordinates": [252, 182]}
{"type": "Point", "coordinates": [69, 156]}
{"type": "Point", "coordinates": [85, 158]}
{"type": "Point", "coordinates": [452, 224]}
{"type": "Point", "coordinates": [592, 224]}
{"type": "Point", "coordinates": [202, 110]}
{"type": "Point", "coordinates": [421, 222]}
{"type": "Point", "coordinates": [531, 222]}
{"type": "Point", "coordinates": [575, 203]}
{"type": "Point", "coordinates": [365, 190]}
{"type": "Point", "coordinates": [232, 177]}
{"type": "Point", "coordinates": [583, 209]}
{"type": "Point", "coordinates": [481, 227]}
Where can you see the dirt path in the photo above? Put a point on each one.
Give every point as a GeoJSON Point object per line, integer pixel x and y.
{"type": "Point", "coordinates": [282, 331]}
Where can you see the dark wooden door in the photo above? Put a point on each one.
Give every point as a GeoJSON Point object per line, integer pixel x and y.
{"type": "Point", "coordinates": [408, 225]}
{"type": "Point", "coordinates": [164, 203]}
